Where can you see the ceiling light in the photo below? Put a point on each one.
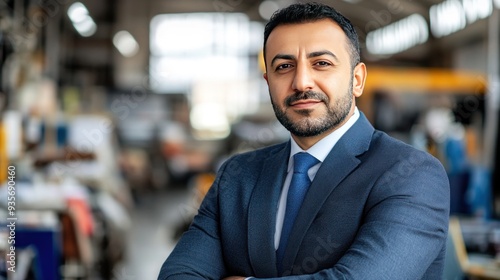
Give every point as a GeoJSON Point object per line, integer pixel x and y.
{"type": "Point", "coordinates": [77, 12]}
{"type": "Point", "coordinates": [398, 36]}
{"type": "Point", "coordinates": [86, 28]}
{"type": "Point", "coordinates": [83, 23]}
{"type": "Point", "coordinates": [125, 43]}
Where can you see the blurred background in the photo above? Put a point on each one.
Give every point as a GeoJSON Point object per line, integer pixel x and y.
{"type": "Point", "coordinates": [115, 115]}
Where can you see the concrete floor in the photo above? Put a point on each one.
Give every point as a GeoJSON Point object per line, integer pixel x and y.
{"type": "Point", "coordinates": [157, 217]}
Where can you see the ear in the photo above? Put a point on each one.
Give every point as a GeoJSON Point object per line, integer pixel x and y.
{"type": "Point", "coordinates": [358, 81]}
{"type": "Point", "coordinates": [265, 78]}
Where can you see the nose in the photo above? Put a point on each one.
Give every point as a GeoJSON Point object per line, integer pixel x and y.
{"type": "Point", "coordinates": [303, 80]}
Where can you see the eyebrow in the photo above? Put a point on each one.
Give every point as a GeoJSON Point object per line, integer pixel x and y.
{"type": "Point", "coordinates": [325, 52]}
{"type": "Point", "coordinates": [282, 56]}
{"type": "Point", "coordinates": [310, 55]}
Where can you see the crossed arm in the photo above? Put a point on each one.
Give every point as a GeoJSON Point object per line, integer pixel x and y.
{"type": "Point", "coordinates": [403, 232]}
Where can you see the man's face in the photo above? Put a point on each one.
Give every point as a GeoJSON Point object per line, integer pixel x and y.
{"type": "Point", "coordinates": [310, 78]}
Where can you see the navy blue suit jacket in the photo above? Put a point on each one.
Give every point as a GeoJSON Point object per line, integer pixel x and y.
{"type": "Point", "coordinates": [377, 209]}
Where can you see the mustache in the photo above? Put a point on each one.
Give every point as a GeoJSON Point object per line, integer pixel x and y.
{"type": "Point", "coordinates": [302, 95]}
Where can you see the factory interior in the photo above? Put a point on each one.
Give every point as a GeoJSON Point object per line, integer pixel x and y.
{"type": "Point", "coordinates": [115, 116]}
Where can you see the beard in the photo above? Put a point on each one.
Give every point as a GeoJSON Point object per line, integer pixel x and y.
{"type": "Point", "coordinates": [309, 126]}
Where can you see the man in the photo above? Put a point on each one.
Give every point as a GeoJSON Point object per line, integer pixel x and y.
{"type": "Point", "coordinates": [370, 207]}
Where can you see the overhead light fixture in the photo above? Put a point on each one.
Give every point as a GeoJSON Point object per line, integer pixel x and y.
{"type": "Point", "coordinates": [82, 22]}
{"type": "Point", "coordinates": [125, 43]}
{"type": "Point", "coordinates": [451, 16]}
{"type": "Point", "coordinates": [398, 36]}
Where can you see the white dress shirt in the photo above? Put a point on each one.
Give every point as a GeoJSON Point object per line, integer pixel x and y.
{"type": "Point", "coordinates": [320, 151]}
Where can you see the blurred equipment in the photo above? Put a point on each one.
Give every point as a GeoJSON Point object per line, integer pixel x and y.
{"type": "Point", "coordinates": [443, 112]}
{"type": "Point", "coordinates": [477, 265]}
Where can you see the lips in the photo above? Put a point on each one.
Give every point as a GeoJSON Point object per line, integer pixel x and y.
{"type": "Point", "coordinates": [305, 99]}
{"type": "Point", "coordinates": [305, 103]}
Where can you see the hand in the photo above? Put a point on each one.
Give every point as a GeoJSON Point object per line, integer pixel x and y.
{"type": "Point", "coordinates": [234, 278]}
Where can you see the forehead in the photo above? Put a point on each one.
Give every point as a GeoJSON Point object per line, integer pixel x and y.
{"type": "Point", "coordinates": [323, 34]}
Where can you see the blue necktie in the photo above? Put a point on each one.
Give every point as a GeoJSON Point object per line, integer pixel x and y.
{"type": "Point", "coordinates": [296, 193]}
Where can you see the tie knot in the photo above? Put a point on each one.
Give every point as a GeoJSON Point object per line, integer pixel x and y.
{"type": "Point", "coordinates": [302, 162]}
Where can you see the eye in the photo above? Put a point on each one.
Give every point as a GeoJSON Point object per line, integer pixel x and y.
{"type": "Point", "coordinates": [283, 66]}
{"type": "Point", "coordinates": [322, 63]}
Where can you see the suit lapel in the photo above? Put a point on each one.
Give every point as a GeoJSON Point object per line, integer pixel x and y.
{"type": "Point", "coordinates": [262, 214]}
{"type": "Point", "coordinates": [339, 163]}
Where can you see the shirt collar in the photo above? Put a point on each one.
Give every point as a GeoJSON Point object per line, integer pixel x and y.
{"type": "Point", "coordinates": [321, 149]}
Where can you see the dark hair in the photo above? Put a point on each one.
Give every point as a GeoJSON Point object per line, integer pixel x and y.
{"type": "Point", "coordinates": [310, 12]}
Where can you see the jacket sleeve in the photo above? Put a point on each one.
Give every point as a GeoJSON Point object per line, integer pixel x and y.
{"type": "Point", "coordinates": [198, 253]}
{"type": "Point", "coordinates": [404, 229]}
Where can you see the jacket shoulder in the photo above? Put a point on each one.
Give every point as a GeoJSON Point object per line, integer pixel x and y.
{"type": "Point", "coordinates": [392, 154]}
{"type": "Point", "coordinates": [261, 153]}
{"type": "Point", "coordinates": [382, 142]}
